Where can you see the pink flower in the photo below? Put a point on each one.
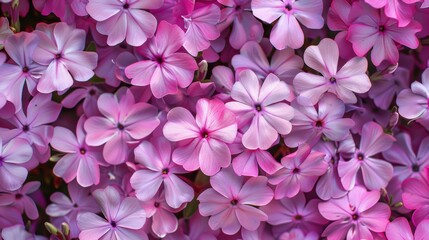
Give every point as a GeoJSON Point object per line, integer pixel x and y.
{"type": "Point", "coordinates": [61, 8]}
{"type": "Point", "coordinates": [343, 83]}
{"type": "Point", "coordinates": [260, 109]}
{"type": "Point", "coordinates": [295, 213]}
{"type": "Point", "coordinates": [89, 94]}
{"type": "Point", "coordinates": [164, 68]}
{"type": "Point", "coordinates": [61, 51]}
{"type": "Point", "coordinates": [204, 138]}
{"type": "Point", "coordinates": [20, 48]}
{"type": "Point", "coordinates": [356, 216]}
{"type": "Point", "coordinates": [230, 202]}
{"type": "Point", "coordinates": [287, 31]}
{"type": "Point", "coordinates": [400, 229]}
{"type": "Point", "coordinates": [124, 19]}
{"type": "Point", "coordinates": [414, 103]}
{"type": "Point", "coordinates": [162, 215]}
{"type": "Point", "coordinates": [373, 29]}
{"type": "Point", "coordinates": [80, 161]}
{"type": "Point", "coordinates": [66, 208]}
{"type": "Point", "coordinates": [12, 155]}
{"type": "Point", "coordinates": [310, 123]}
{"type": "Point", "coordinates": [9, 216]}
{"type": "Point", "coordinates": [247, 162]}
{"type": "Point", "coordinates": [123, 121]}
{"type": "Point", "coordinates": [284, 63]}
{"type": "Point", "coordinates": [21, 200]}
{"type": "Point", "coordinates": [245, 27]}
{"type": "Point", "coordinates": [416, 196]}
{"type": "Point", "coordinates": [301, 171]}
{"type": "Point", "coordinates": [123, 218]}
{"type": "Point", "coordinates": [200, 27]}
{"type": "Point", "coordinates": [195, 227]}
{"type": "Point", "coordinates": [376, 173]}
{"type": "Point", "coordinates": [159, 171]}
{"type": "Point", "coordinates": [401, 10]}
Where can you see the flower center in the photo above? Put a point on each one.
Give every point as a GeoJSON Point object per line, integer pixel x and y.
{"type": "Point", "coordinates": [113, 223]}
{"type": "Point", "coordinates": [234, 202]}
{"type": "Point", "coordinates": [126, 6]}
{"type": "Point", "coordinates": [25, 69]}
{"type": "Point", "coordinates": [165, 171]}
{"type": "Point", "coordinates": [18, 196]}
{"type": "Point", "coordinates": [298, 217]}
{"type": "Point", "coordinates": [156, 204]}
{"type": "Point", "coordinates": [319, 123]}
{"type": "Point", "coordinates": [381, 28]}
{"type": "Point", "coordinates": [355, 217]}
{"type": "Point", "coordinates": [295, 170]}
{"type": "Point", "coordinates": [415, 167]}
{"type": "Point", "coordinates": [82, 151]}
{"type": "Point", "coordinates": [120, 126]}
{"type": "Point", "coordinates": [159, 60]}
{"type": "Point", "coordinates": [58, 56]}
{"type": "Point", "coordinates": [25, 128]}
{"type": "Point", "coordinates": [288, 7]}
{"type": "Point", "coordinates": [360, 156]}
{"type": "Point", "coordinates": [92, 92]}
{"type": "Point", "coordinates": [258, 107]}
{"type": "Point", "coordinates": [333, 80]}
{"type": "Point", "coordinates": [204, 134]}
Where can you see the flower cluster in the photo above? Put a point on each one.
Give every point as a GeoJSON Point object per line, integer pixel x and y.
{"type": "Point", "coordinates": [214, 119]}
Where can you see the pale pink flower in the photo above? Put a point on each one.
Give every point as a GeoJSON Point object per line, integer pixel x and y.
{"type": "Point", "coordinates": [261, 111]}
{"type": "Point", "coordinates": [399, 229]}
{"type": "Point", "coordinates": [230, 202]}
{"type": "Point", "coordinates": [164, 67]}
{"type": "Point", "coordinates": [123, 121]}
{"type": "Point", "coordinates": [159, 172]}
{"type": "Point", "coordinates": [123, 218]}
{"type": "Point", "coordinates": [350, 79]}
{"type": "Point", "coordinates": [414, 103]}
{"type": "Point", "coordinates": [204, 138]}
{"type": "Point", "coordinates": [376, 172]}
{"type": "Point", "coordinates": [401, 10]}
{"type": "Point", "coordinates": [287, 32]}
{"type": "Point", "coordinates": [301, 171]}
{"type": "Point", "coordinates": [124, 19]}
{"type": "Point", "coordinates": [61, 51]}
{"type": "Point", "coordinates": [21, 200]}
{"type": "Point", "coordinates": [356, 216]}
{"type": "Point", "coordinates": [247, 162]}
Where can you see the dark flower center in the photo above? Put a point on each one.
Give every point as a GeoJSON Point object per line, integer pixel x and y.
{"type": "Point", "coordinates": [18, 196]}
{"type": "Point", "coordinates": [58, 56]}
{"type": "Point", "coordinates": [156, 204]}
{"type": "Point", "coordinates": [381, 28]}
{"type": "Point", "coordinates": [355, 217]}
{"type": "Point", "coordinates": [82, 151]}
{"type": "Point", "coordinates": [25, 69]}
{"type": "Point", "coordinates": [360, 156]}
{"type": "Point", "coordinates": [204, 134]}
{"type": "Point", "coordinates": [234, 202]}
{"type": "Point", "coordinates": [120, 126]}
{"type": "Point", "coordinates": [92, 92]}
{"type": "Point", "coordinates": [415, 167]}
{"type": "Point", "coordinates": [159, 60]}
{"type": "Point", "coordinates": [295, 170]}
{"type": "Point", "coordinates": [298, 217]}
{"type": "Point", "coordinates": [258, 107]}
{"type": "Point", "coordinates": [25, 128]}
{"type": "Point", "coordinates": [113, 223]}
{"type": "Point", "coordinates": [165, 171]}
{"type": "Point", "coordinates": [332, 80]}
{"type": "Point", "coordinates": [126, 6]}
{"type": "Point", "coordinates": [75, 205]}
{"type": "Point", "coordinates": [288, 7]}
{"type": "Point", "coordinates": [319, 123]}
{"type": "Point", "coordinates": [237, 8]}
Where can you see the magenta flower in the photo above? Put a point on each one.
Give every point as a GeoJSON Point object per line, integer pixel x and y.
{"type": "Point", "coordinates": [294, 213]}
{"type": "Point", "coordinates": [414, 103]}
{"type": "Point", "coordinates": [20, 48]}
{"type": "Point", "coordinates": [12, 154]}
{"type": "Point", "coordinates": [89, 95]}
{"type": "Point", "coordinates": [204, 137]}
{"type": "Point", "coordinates": [161, 214]}
{"type": "Point", "coordinates": [373, 29]}
{"type": "Point", "coordinates": [287, 32]}
{"type": "Point", "coordinates": [260, 109]}
{"type": "Point", "coordinates": [123, 121]}
{"type": "Point", "coordinates": [401, 10]}
{"type": "Point", "coordinates": [416, 196]}
{"type": "Point", "coordinates": [164, 68]}
{"type": "Point", "coordinates": [61, 51]}
{"type": "Point", "coordinates": [310, 123]}
{"type": "Point", "coordinates": [400, 229]}
{"type": "Point", "coordinates": [66, 208]}
{"type": "Point", "coordinates": [284, 63]}
{"type": "Point", "coordinates": [124, 19]}
{"type": "Point", "coordinates": [123, 218]}
{"type": "Point", "coordinates": [350, 79]}
{"type": "Point", "coordinates": [356, 216]}
{"type": "Point", "coordinates": [9, 216]}
{"type": "Point", "coordinates": [80, 161]}
{"type": "Point", "coordinates": [61, 8]}
{"type": "Point", "coordinates": [200, 27]}
{"type": "Point", "coordinates": [376, 173]}
{"type": "Point", "coordinates": [159, 171]}
{"type": "Point", "coordinates": [230, 202]}
{"type": "Point", "coordinates": [21, 200]}
{"type": "Point", "coordinates": [245, 27]}
{"type": "Point", "coordinates": [301, 171]}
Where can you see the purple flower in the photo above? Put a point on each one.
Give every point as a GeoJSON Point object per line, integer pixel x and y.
{"type": "Point", "coordinates": [230, 202]}
{"type": "Point", "coordinates": [343, 83]}
{"type": "Point", "coordinates": [376, 173]}
{"type": "Point", "coordinates": [287, 32]}
{"type": "Point", "coordinates": [301, 171]}
{"type": "Point", "coordinates": [260, 109]}
{"type": "Point", "coordinates": [61, 51]}
{"type": "Point", "coordinates": [414, 103]}
{"type": "Point", "coordinates": [123, 121]}
{"type": "Point", "coordinates": [12, 155]}
{"type": "Point", "coordinates": [159, 171]}
{"type": "Point", "coordinates": [163, 68]}
{"type": "Point", "coordinates": [124, 19]}
{"type": "Point", "coordinates": [204, 137]}
{"type": "Point", "coordinates": [80, 161]}
{"type": "Point", "coordinates": [355, 216]}
{"type": "Point", "coordinates": [21, 200]}
{"type": "Point", "coordinates": [123, 218]}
